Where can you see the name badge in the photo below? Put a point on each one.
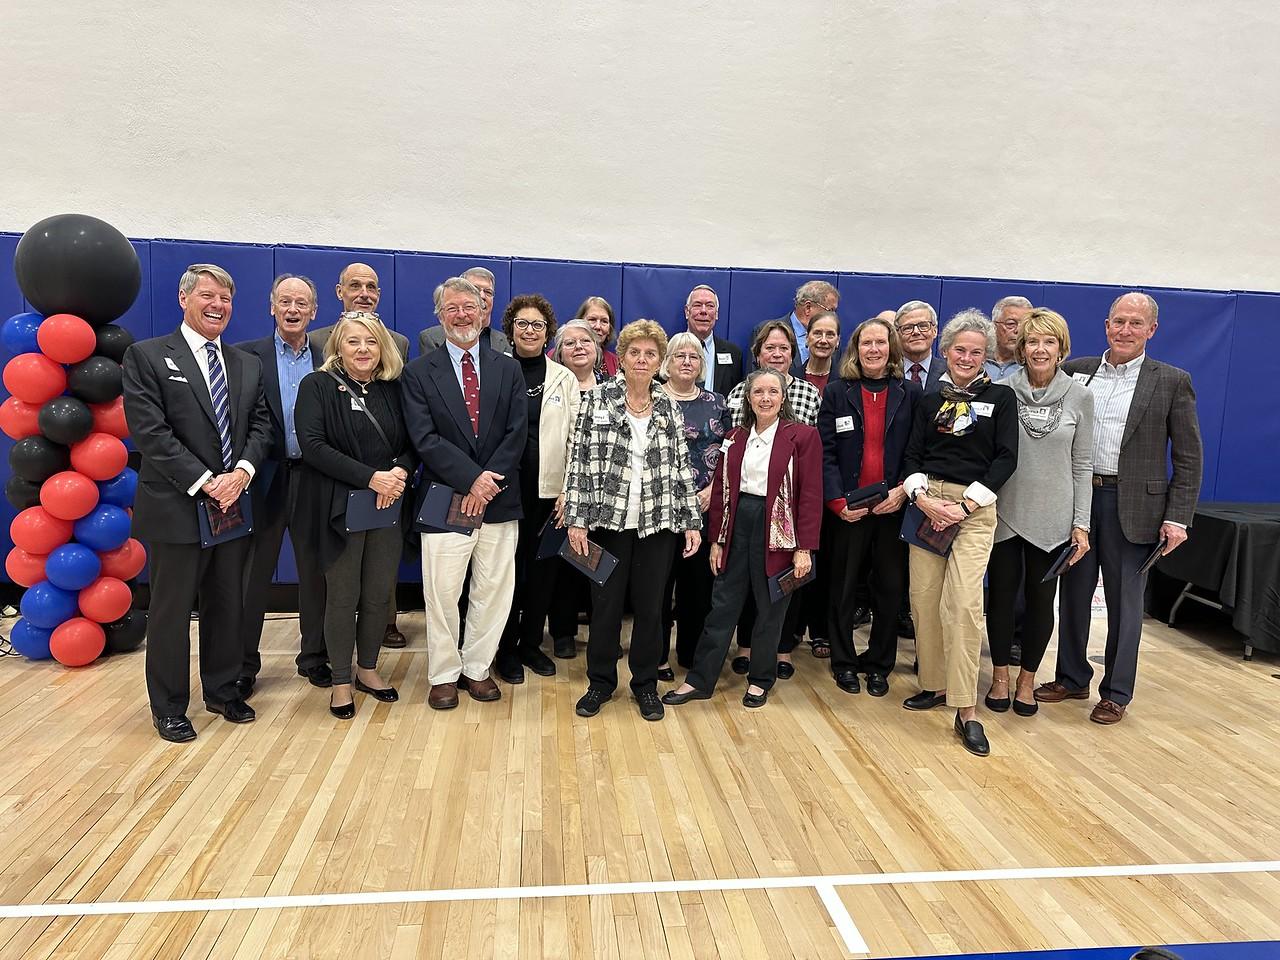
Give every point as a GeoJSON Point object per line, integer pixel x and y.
{"type": "Point", "coordinates": [724, 358]}
{"type": "Point", "coordinates": [724, 447]}
{"type": "Point", "coordinates": [844, 424]}
{"type": "Point", "coordinates": [1037, 413]}
{"type": "Point", "coordinates": [168, 362]}
{"type": "Point", "coordinates": [554, 400]}
{"type": "Point", "coordinates": [355, 405]}
{"type": "Point", "coordinates": [982, 409]}
{"type": "Point", "coordinates": [735, 403]}
{"type": "Point", "coordinates": [600, 418]}
{"type": "Point", "coordinates": [1081, 378]}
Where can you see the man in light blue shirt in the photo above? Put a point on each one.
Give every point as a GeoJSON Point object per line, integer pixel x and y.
{"type": "Point", "coordinates": [1007, 315]}
{"type": "Point", "coordinates": [812, 298]}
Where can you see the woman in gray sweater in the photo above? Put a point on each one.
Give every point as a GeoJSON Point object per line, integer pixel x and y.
{"type": "Point", "coordinates": [1045, 503]}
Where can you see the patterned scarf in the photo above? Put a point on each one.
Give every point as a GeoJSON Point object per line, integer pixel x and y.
{"type": "Point", "coordinates": [955, 416]}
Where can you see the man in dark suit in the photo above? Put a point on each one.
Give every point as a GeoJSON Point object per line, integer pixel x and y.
{"type": "Point", "coordinates": [430, 338]}
{"type": "Point", "coordinates": [1144, 418]}
{"type": "Point", "coordinates": [917, 326]}
{"type": "Point", "coordinates": [465, 406]}
{"type": "Point", "coordinates": [723, 366]}
{"type": "Point", "coordinates": [197, 415]}
{"type": "Point", "coordinates": [286, 357]}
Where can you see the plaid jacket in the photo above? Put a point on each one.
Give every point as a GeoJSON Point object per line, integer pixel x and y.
{"type": "Point", "coordinates": [804, 396]}
{"type": "Point", "coordinates": [599, 476]}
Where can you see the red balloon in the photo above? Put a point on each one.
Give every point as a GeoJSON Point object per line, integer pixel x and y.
{"type": "Point", "coordinates": [99, 456]}
{"type": "Point", "coordinates": [19, 419]}
{"type": "Point", "coordinates": [36, 530]}
{"type": "Point", "coordinates": [66, 338]}
{"type": "Point", "coordinates": [106, 599]}
{"type": "Point", "coordinates": [25, 569]}
{"type": "Point", "coordinates": [35, 378]}
{"type": "Point", "coordinates": [69, 495]}
{"type": "Point", "coordinates": [77, 642]}
{"type": "Point", "coordinates": [109, 418]}
{"type": "Point", "coordinates": [124, 562]}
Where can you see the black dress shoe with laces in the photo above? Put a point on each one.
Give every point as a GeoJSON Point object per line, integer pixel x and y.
{"type": "Point", "coordinates": [589, 703]}
{"type": "Point", "coordinates": [666, 674]}
{"type": "Point", "coordinates": [675, 699]}
{"type": "Point", "coordinates": [385, 694]}
{"type": "Point", "coordinates": [237, 711]}
{"type": "Point", "coordinates": [861, 616]}
{"type": "Point", "coordinates": [244, 687]}
{"type": "Point", "coordinates": [650, 706]}
{"type": "Point", "coordinates": [906, 627]}
{"type": "Point", "coordinates": [740, 665]}
{"type": "Point", "coordinates": [176, 729]}
{"type": "Point", "coordinates": [318, 676]}
{"type": "Point", "coordinates": [565, 648]}
{"type": "Point", "coordinates": [539, 663]}
{"type": "Point", "coordinates": [847, 680]}
{"type": "Point", "coordinates": [925, 700]}
{"type": "Point", "coordinates": [877, 684]}
{"type": "Point", "coordinates": [971, 735]}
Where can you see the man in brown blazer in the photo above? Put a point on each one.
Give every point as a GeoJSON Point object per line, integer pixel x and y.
{"type": "Point", "coordinates": [1144, 418]}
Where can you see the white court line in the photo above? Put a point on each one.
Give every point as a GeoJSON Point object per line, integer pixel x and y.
{"type": "Point", "coordinates": [848, 930]}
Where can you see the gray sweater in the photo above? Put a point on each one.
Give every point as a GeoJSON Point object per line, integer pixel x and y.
{"type": "Point", "coordinates": [1052, 489]}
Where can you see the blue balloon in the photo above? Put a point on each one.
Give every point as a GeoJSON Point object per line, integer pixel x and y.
{"type": "Point", "coordinates": [120, 489]}
{"type": "Point", "coordinates": [19, 333]}
{"type": "Point", "coordinates": [103, 528]}
{"type": "Point", "coordinates": [72, 566]}
{"type": "Point", "coordinates": [30, 641]}
{"type": "Point", "coordinates": [47, 606]}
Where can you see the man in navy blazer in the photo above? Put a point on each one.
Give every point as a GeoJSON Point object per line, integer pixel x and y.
{"type": "Point", "coordinates": [917, 326]}
{"type": "Point", "coordinates": [465, 406]}
{"type": "Point", "coordinates": [286, 357]}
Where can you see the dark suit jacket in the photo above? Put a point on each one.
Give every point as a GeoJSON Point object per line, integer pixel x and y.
{"type": "Point", "coordinates": [440, 428]}
{"type": "Point", "coordinates": [727, 375]}
{"type": "Point", "coordinates": [1161, 426]}
{"type": "Point", "coordinates": [171, 422]}
{"type": "Point", "coordinates": [429, 338]}
{"type": "Point", "coordinates": [319, 336]}
{"type": "Point", "coordinates": [937, 367]}
{"type": "Point", "coordinates": [842, 449]}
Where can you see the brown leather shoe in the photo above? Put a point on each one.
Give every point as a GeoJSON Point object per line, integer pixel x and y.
{"type": "Point", "coordinates": [1107, 712]}
{"type": "Point", "coordinates": [443, 696]}
{"type": "Point", "coordinates": [393, 638]}
{"type": "Point", "coordinates": [482, 690]}
{"type": "Point", "coordinates": [1056, 692]}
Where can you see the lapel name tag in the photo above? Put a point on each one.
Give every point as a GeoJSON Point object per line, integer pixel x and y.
{"type": "Point", "coordinates": [1081, 378]}
{"type": "Point", "coordinates": [735, 403]}
{"type": "Point", "coordinates": [168, 362]}
{"type": "Point", "coordinates": [982, 409]}
{"type": "Point", "coordinates": [1038, 413]}
{"type": "Point", "coordinates": [600, 418]}
{"type": "Point", "coordinates": [844, 424]}
{"type": "Point", "coordinates": [355, 405]}
{"type": "Point", "coordinates": [724, 358]}
{"type": "Point", "coordinates": [554, 400]}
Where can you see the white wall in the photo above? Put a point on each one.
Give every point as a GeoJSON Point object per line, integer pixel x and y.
{"type": "Point", "coordinates": [1100, 140]}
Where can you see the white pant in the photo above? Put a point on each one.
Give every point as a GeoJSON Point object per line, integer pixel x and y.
{"type": "Point", "coordinates": [491, 552]}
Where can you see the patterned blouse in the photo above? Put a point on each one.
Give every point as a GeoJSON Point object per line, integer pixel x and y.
{"type": "Point", "coordinates": [804, 396]}
{"type": "Point", "coordinates": [706, 422]}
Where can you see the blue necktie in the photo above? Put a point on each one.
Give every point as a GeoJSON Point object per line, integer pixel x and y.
{"type": "Point", "coordinates": [218, 391]}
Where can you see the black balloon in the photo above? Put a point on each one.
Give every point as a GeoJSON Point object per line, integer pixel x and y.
{"type": "Point", "coordinates": [126, 634]}
{"type": "Point", "coordinates": [21, 493]}
{"type": "Point", "coordinates": [71, 263]}
{"type": "Point", "coordinates": [65, 420]}
{"type": "Point", "coordinates": [37, 459]}
{"type": "Point", "coordinates": [113, 341]}
{"type": "Point", "coordinates": [95, 380]}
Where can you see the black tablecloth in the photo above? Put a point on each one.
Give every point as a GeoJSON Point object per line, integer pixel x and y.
{"type": "Point", "coordinates": [1234, 551]}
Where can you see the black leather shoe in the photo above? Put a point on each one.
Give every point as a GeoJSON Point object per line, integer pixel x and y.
{"type": "Point", "coordinates": [385, 694]}
{"type": "Point", "coordinates": [925, 700]}
{"type": "Point", "coordinates": [877, 684]}
{"type": "Point", "coordinates": [786, 669]}
{"type": "Point", "coordinates": [971, 735]}
{"type": "Point", "coordinates": [244, 687]}
{"type": "Point", "coordinates": [861, 616]}
{"type": "Point", "coordinates": [589, 703]}
{"type": "Point", "coordinates": [755, 700]}
{"type": "Point", "coordinates": [906, 627]}
{"type": "Point", "coordinates": [1025, 709]}
{"type": "Point", "coordinates": [675, 699]}
{"type": "Point", "coordinates": [174, 729]}
{"type": "Point", "coordinates": [565, 648]}
{"type": "Point", "coordinates": [847, 681]}
{"type": "Point", "coordinates": [539, 663]}
{"type": "Point", "coordinates": [509, 668]}
{"type": "Point", "coordinates": [650, 706]}
{"type": "Point", "coordinates": [237, 711]}
{"type": "Point", "coordinates": [740, 665]}
{"type": "Point", "coordinates": [996, 705]}
{"type": "Point", "coordinates": [318, 676]}
{"type": "Point", "coordinates": [345, 712]}
{"type": "Point", "coordinates": [666, 674]}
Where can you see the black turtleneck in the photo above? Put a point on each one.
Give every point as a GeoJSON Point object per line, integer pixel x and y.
{"type": "Point", "coordinates": [535, 374]}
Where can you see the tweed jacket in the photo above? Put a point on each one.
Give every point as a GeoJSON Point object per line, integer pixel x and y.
{"type": "Point", "coordinates": [1161, 427]}
{"type": "Point", "coordinates": [599, 476]}
{"type": "Point", "coordinates": [804, 396]}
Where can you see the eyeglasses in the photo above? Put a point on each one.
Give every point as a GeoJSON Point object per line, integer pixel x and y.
{"type": "Point", "coordinates": [537, 326]}
{"type": "Point", "coordinates": [1007, 324]}
{"type": "Point", "coordinates": [302, 303]}
{"type": "Point", "coordinates": [690, 357]}
{"type": "Point", "coordinates": [454, 311]}
{"type": "Point", "coordinates": [924, 326]}
{"type": "Point", "coordinates": [568, 344]}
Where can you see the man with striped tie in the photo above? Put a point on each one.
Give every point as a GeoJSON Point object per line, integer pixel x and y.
{"type": "Point", "coordinates": [197, 414]}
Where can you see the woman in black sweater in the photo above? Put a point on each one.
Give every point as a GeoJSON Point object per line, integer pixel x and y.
{"type": "Point", "coordinates": [351, 429]}
{"type": "Point", "coordinates": [963, 447]}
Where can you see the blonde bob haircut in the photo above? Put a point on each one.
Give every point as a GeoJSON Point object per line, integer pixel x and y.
{"type": "Point", "coordinates": [1047, 323]}
{"type": "Point", "coordinates": [389, 362]}
{"type": "Point", "coordinates": [638, 330]}
{"type": "Point", "coordinates": [678, 342]}
{"type": "Point", "coordinates": [851, 362]}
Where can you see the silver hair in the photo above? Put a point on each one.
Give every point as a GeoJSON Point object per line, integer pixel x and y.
{"type": "Point", "coordinates": [191, 276]}
{"type": "Point", "coordinates": [816, 291]}
{"type": "Point", "coordinates": [1009, 302]}
{"type": "Point", "coordinates": [684, 339]}
{"type": "Point", "coordinates": [458, 284]}
{"type": "Point", "coordinates": [1151, 304]}
{"type": "Point", "coordinates": [911, 306]}
{"type": "Point", "coordinates": [557, 351]}
{"type": "Point", "coordinates": [315, 296]}
{"type": "Point", "coordinates": [483, 273]}
{"type": "Point", "coordinates": [748, 413]}
{"type": "Point", "coordinates": [702, 286]}
{"type": "Point", "coordinates": [971, 320]}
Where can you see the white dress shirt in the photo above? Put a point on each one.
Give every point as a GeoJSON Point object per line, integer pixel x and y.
{"type": "Point", "coordinates": [639, 442]}
{"type": "Point", "coordinates": [197, 345]}
{"type": "Point", "coordinates": [755, 461]}
{"type": "Point", "coordinates": [1112, 388]}
{"type": "Point", "coordinates": [924, 368]}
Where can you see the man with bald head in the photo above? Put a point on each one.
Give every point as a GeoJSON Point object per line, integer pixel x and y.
{"type": "Point", "coordinates": [482, 278]}
{"type": "Point", "coordinates": [1144, 419]}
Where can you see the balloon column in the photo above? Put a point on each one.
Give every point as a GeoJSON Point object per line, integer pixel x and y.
{"type": "Point", "coordinates": [70, 479]}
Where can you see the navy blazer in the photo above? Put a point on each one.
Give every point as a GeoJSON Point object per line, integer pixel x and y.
{"type": "Point", "coordinates": [264, 348]}
{"type": "Point", "coordinates": [440, 428]}
{"type": "Point", "coordinates": [842, 449]}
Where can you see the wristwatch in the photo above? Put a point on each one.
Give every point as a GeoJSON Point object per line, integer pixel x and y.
{"type": "Point", "coordinates": [965, 507]}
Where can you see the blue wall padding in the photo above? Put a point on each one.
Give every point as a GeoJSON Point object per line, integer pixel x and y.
{"type": "Point", "coordinates": [958, 294]}
{"type": "Point", "coordinates": [10, 296]}
{"type": "Point", "coordinates": [251, 266]}
{"type": "Point", "coordinates": [1249, 442]}
{"type": "Point", "coordinates": [323, 264]}
{"type": "Point", "coordinates": [137, 319]}
{"type": "Point", "coordinates": [566, 284]}
{"type": "Point", "coordinates": [418, 275]}
{"type": "Point", "coordinates": [863, 295]}
{"type": "Point", "coordinates": [659, 293]}
{"type": "Point", "coordinates": [760, 295]}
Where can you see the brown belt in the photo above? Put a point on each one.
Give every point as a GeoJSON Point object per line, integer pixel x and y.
{"type": "Point", "coordinates": [1105, 480]}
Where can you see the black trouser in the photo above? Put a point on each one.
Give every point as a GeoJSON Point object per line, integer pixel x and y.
{"type": "Point", "coordinates": [535, 584]}
{"type": "Point", "coordinates": [743, 575]}
{"type": "Point", "coordinates": [787, 639]}
{"type": "Point", "coordinates": [572, 597]}
{"type": "Point", "coordinates": [278, 514]}
{"type": "Point", "coordinates": [212, 580]}
{"type": "Point", "coordinates": [691, 580]}
{"type": "Point", "coordinates": [1016, 563]}
{"type": "Point", "coordinates": [355, 611]}
{"type": "Point", "coordinates": [643, 565]}
{"type": "Point", "coordinates": [870, 544]}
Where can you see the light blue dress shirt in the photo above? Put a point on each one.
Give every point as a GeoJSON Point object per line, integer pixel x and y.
{"type": "Point", "coordinates": [290, 369]}
{"type": "Point", "coordinates": [455, 354]}
{"type": "Point", "coordinates": [802, 337]}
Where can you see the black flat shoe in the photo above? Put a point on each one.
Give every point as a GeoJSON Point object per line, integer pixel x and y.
{"type": "Point", "coordinates": [877, 684]}
{"type": "Point", "coordinates": [861, 616]}
{"type": "Point", "coordinates": [740, 665]}
{"type": "Point", "coordinates": [237, 711]}
{"type": "Point", "coordinates": [565, 648]}
{"type": "Point", "coordinates": [666, 674]}
{"type": "Point", "coordinates": [675, 699]}
{"type": "Point", "coordinates": [318, 676]}
{"type": "Point", "coordinates": [755, 700]}
{"type": "Point", "coordinates": [971, 735]}
{"type": "Point", "coordinates": [786, 669]}
{"type": "Point", "coordinates": [509, 669]}
{"type": "Point", "coordinates": [385, 694]}
{"type": "Point", "coordinates": [650, 706]}
{"type": "Point", "coordinates": [925, 700]}
{"type": "Point", "coordinates": [244, 687]}
{"type": "Point", "coordinates": [847, 680]}
{"type": "Point", "coordinates": [176, 729]}
{"type": "Point", "coordinates": [539, 663]}
{"type": "Point", "coordinates": [1025, 709]}
{"type": "Point", "coordinates": [996, 706]}
{"type": "Point", "coordinates": [345, 712]}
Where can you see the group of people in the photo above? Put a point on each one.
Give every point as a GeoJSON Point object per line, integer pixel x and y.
{"type": "Point", "coordinates": [786, 492]}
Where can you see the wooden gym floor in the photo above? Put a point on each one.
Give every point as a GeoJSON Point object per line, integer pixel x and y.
{"type": "Point", "coordinates": [404, 825]}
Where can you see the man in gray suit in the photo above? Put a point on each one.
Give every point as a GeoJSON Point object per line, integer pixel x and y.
{"type": "Point", "coordinates": [359, 292]}
{"type": "Point", "coordinates": [430, 338]}
{"type": "Point", "coordinates": [1144, 417]}
{"type": "Point", "coordinates": [917, 326]}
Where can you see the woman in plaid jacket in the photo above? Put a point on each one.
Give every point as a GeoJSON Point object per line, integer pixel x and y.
{"type": "Point", "coordinates": [631, 485]}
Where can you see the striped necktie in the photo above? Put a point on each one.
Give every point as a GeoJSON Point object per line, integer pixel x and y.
{"type": "Point", "coordinates": [218, 391]}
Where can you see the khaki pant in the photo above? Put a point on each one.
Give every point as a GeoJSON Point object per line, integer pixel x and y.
{"type": "Point", "coordinates": [946, 603]}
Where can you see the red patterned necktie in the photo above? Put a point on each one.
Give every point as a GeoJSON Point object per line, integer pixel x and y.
{"type": "Point", "coordinates": [471, 391]}
{"type": "Point", "coordinates": [915, 372]}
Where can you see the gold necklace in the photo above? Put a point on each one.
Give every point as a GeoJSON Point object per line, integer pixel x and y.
{"type": "Point", "coordinates": [642, 410]}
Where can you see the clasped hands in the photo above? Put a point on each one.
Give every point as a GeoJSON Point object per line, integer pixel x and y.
{"type": "Point", "coordinates": [388, 485]}
{"type": "Point", "coordinates": [941, 513]}
{"type": "Point", "coordinates": [484, 489]}
{"type": "Point", "coordinates": [226, 488]}
{"type": "Point", "coordinates": [891, 504]}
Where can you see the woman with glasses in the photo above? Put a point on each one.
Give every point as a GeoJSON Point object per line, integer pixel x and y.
{"type": "Point", "coordinates": [577, 348]}
{"type": "Point", "coordinates": [598, 315]}
{"type": "Point", "coordinates": [553, 401]}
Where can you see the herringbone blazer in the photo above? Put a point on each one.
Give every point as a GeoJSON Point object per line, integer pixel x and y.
{"type": "Point", "coordinates": [1161, 428]}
